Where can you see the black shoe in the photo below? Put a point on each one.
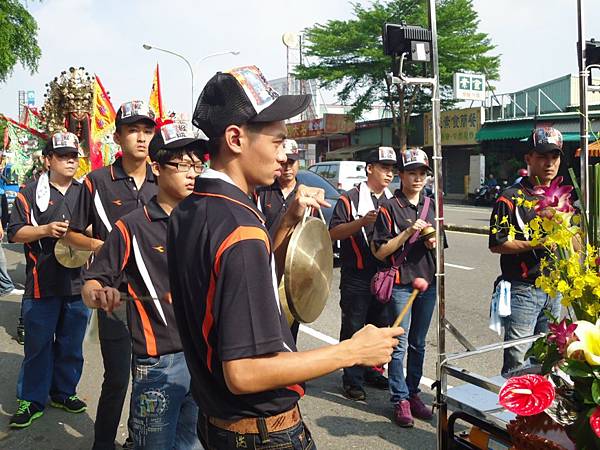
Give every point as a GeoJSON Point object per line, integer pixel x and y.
{"type": "Point", "coordinates": [128, 444]}
{"type": "Point", "coordinates": [21, 332]}
{"type": "Point", "coordinates": [377, 380]}
{"type": "Point", "coordinates": [72, 404]}
{"type": "Point", "coordinates": [354, 392]}
{"type": "Point", "coordinates": [26, 413]}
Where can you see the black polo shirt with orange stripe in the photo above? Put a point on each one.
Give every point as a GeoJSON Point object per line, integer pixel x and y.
{"type": "Point", "coordinates": [223, 285]}
{"type": "Point", "coordinates": [355, 253]}
{"type": "Point", "coordinates": [274, 204]}
{"type": "Point", "coordinates": [396, 215]}
{"type": "Point", "coordinates": [109, 193]}
{"type": "Point", "coordinates": [44, 276]}
{"type": "Point", "coordinates": [137, 247]}
{"type": "Point", "coordinates": [521, 266]}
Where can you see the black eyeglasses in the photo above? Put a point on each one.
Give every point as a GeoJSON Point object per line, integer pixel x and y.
{"type": "Point", "coordinates": [184, 167]}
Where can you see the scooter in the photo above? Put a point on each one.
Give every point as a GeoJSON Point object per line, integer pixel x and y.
{"type": "Point", "coordinates": [487, 194]}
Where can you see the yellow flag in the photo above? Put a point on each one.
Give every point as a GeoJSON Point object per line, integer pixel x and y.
{"type": "Point", "coordinates": [155, 96]}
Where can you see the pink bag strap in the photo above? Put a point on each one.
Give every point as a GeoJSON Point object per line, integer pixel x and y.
{"type": "Point", "coordinates": [415, 235]}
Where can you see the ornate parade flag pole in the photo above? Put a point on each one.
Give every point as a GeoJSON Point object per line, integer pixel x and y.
{"type": "Point", "coordinates": [155, 96]}
{"type": "Point", "coordinates": [103, 120]}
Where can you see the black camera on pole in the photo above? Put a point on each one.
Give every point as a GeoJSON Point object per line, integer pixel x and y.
{"type": "Point", "coordinates": [592, 56]}
{"type": "Point", "coordinates": [412, 40]}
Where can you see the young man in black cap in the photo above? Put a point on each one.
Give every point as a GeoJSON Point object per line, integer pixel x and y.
{"type": "Point", "coordinates": [108, 194]}
{"type": "Point", "coordinates": [352, 224]}
{"type": "Point", "coordinates": [54, 315]}
{"type": "Point", "coordinates": [246, 374]}
{"type": "Point", "coordinates": [519, 261]}
{"type": "Point", "coordinates": [164, 413]}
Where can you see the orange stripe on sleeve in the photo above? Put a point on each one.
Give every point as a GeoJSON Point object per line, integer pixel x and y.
{"type": "Point", "coordinates": [23, 201]}
{"type": "Point", "coordinates": [297, 388]}
{"type": "Point", "coordinates": [125, 233]}
{"type": "Point", "coordinates": [386, 213]}
{"type": "Point", "coordinates": [346, 202]}
{"type": "Point", "coordinates": [148, 332]}
{"type": "Point", "coordinates": [88, 185]}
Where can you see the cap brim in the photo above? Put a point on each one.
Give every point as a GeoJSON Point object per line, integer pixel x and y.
{"type": "Point", "coordinates": [285, 107]}
{"type": "Point", "coordinates": [414, 166]}
{"type": "Point", "coordinates": [133, 119]}
{"type": "Point", "coordinates": [293, 157]}
{"type": "Point", "coordinates": [547, 148]}
{"type": "Point", "coordinates": [64, 150]}
{"type": "Point", "coordinates": [186, 142]}
{"type": "Point", "coordinates": [383, 161]}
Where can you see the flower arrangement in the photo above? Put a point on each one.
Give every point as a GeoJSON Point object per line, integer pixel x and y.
{"type": "Point", "coordinates": [569, 354]}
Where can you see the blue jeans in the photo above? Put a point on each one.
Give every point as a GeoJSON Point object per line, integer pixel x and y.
{"type": "Point", "coordinates": [6, 284]}
{"type": "Point", "coordinates": [359, 308]}
{"type": "Point", "coordinates": [295, 438]}
{"type": "Point", "coordinates": [416, 324]}
{"type": "Point", "coordinates": [54, 330]}
{"type": "Point", "coordinates": [164, 413]}
{"type": "Point", "coordinates": [527, 307]}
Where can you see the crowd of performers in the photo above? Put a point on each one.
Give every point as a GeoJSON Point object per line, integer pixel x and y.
{"type": "Point", "coordinates": [185, 268]}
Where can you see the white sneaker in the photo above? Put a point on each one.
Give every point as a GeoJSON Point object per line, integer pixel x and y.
{"type": "Point", "coordinates": [16, 291]}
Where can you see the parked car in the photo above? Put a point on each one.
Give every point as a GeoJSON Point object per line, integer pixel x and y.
{"type": "Point", "coordinates": [311, 179]}
{"type": "Point", "coordinates": [342, 175]}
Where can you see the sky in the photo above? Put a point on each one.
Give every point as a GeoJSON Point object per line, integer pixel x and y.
{"type": "Point", "coordinates": [535, 38]}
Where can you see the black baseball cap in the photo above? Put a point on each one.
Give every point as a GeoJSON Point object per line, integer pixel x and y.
{"type": "Point", "coordinates": [240, 96]}
{"type": "Point", "coordinates": [382, 155]}
{"type": "Point", "coordinates": [414, 158]}
{"type": "Point", "coordinates": [62, 143]}
{"type": "Point", "coordinates": [176, 135]}
{"type": "Point", "coordinates": [134, 111]}
{"type": "Point", "coordinates": [546, 140]}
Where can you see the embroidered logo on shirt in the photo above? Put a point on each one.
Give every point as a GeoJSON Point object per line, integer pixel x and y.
{"type": "Point", "coordinates": [118, 202]}
{"type": "Point", "coordinates": [159, 248]}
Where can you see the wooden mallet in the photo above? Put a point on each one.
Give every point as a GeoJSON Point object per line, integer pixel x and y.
{"type": "Point", "coordinates": [419, 285]}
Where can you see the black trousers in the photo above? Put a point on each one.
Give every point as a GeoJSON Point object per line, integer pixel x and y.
{"type": "Point", "coordinates": [115, 345]}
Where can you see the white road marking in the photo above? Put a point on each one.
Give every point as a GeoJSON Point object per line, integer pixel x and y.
{"type": "Point", "coordinates": [467, 209]}
{"type": "Point", "coordinates": [468, 234]}
{"type": "Point", "coordinates": [332, 341]}
{"type": "Point", "coordinates": [456, 266]}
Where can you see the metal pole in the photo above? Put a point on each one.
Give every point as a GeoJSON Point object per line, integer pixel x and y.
{"type": "Point", "coordinates": [442, 421]}
{"type": "Point", "coordinates": [583, 118]}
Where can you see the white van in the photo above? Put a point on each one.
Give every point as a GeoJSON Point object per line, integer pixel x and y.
{"type": "Point", "coordinates": [343, 175]}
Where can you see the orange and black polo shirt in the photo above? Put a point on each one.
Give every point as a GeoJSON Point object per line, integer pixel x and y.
{"type": "Point", "coordinates": [521, 266]}
{"type": "Point", "coordinates": [355, 253]}
{"type": "Point", "coordinates": [396, 215]}
{"type": "Point", "coordinates": [44, 276]}
{"type": "Point", "coordinates": [225, 298]}
{"type": "Point", "coordinates": [273, 204]}
{"type": "Point", "coordinates": [108, 194]}
{"type": "Point", "coordinates": [137, 247]}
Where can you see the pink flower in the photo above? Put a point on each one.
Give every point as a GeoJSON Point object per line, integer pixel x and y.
{"type": "Point", "coordinates": [595, 421]}
{"type": "Point", "coordinates": [554, 196]}
{"type": "Point", "coordinates": [561, 334]}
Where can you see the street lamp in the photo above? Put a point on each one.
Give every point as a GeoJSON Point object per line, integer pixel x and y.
{"type": "Point", "coordinates": [227, 52]}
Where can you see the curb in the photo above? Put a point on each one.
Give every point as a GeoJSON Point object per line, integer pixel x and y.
{"type": "Point", "coordinates": [467, 229]}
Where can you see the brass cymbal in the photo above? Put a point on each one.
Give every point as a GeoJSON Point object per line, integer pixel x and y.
{"type": "Point", "coordinates": [284, 304]}
{"type": "Point", "coordinates": [427, 232]}
{"type": "Point", "coordinates": [308, 270]}
{"type": "Point", "coordinates": [70, 257]}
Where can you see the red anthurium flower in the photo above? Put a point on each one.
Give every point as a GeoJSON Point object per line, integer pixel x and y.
{"type": "Point", "coordinates": [554, 196]}
{"type": "Point", "coordinates": [595, 421]}
{"type": "Point", "coordinates": [526, 395]}
{"type": "Point", "coordinates": [561, 333]}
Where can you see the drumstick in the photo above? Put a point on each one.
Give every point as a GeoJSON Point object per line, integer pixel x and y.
{"type": "Point", "coordinates": [419, 286]}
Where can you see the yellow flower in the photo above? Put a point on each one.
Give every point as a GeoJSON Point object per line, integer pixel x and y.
{"type": "Point", "coordinates": [589, 342]}
{"type": "Point", "coordinates": [563, 287]}
{"type": "Point", "coordinates": [504, 220]}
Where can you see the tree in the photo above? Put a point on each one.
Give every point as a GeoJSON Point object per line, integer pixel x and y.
{"type": "Point", "coordinates": [349, 56]}
{"type": "Point", "coordinates": [18, 38]}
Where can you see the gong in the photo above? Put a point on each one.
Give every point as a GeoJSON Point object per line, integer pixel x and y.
{"type": "Point", "coordinates": [308, 271]}
{"type": "Point", "coordinates": [70, 257]}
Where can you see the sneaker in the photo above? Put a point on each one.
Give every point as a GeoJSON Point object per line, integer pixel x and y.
{"type": "Point", "coordinates": [20, 331]}
{"type": "Point", "coordinates": [419, 409]}
{"type": "Point", "coordinates": [376, 380]}
{"type": "Point", "coordinates": [354, 392]}
{"type": "Point", "coordinates": [402, 414]}
{"type": "Point", "coordinates": [16, 291]}
{"type": "Point", "coordinates": [26, 413]}
{"type": "Point", "coordinates": [72, 404]}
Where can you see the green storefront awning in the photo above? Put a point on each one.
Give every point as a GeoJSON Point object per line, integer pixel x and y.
{"type": "Point", "coordinates": [499, 131]}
